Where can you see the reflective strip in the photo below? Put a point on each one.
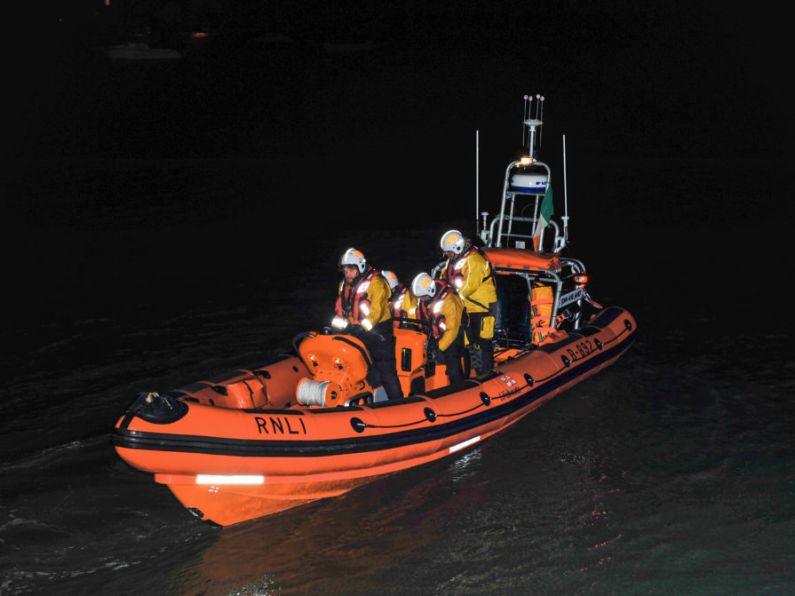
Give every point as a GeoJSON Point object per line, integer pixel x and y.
{"type": "Point", "coordinates": [460, 264]}
{"type": "Point", "coordinates": [363, 288]}
{"type": "Point", "coordinates": [437, 308]}
{"type": "Point", "coordinates": [442, 326]}
{"type": "Point", "coordinates": [235, 479]}
{"type": "Point", "coordinates": [339, 323]}
{"type": "Point", "coordinates": [367, 324]}
{"type": "Point", "coordinates": [399, 302]}
{"type": "Point", "coordinates": [365, 308]}
{"type": "Point", "coordinates": [459, 282]}
{"type": "Point", "coordinates": [464, 444]}
{"type": "Point", "coordinates": [412, 311]}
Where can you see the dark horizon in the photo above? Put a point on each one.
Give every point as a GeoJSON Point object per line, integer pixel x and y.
{"type": "Point", "coordinates": [670, 78]}
{"type": "Point", "coordinates": [120, 177]}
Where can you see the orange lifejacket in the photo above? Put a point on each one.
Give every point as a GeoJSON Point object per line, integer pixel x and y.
{"type": "Point", "coordinates": [353, 296]}
{"type": "Point", "coordinates": [396, 301]}
{"type": "Point", "coordinates": [437, 319]}
{"type": "Point", "coordinates": [452, 273]}
{"type": "Point", "coordinates": [396, 305]}
{"type": "Point", "coordinates": [542, 299]}
{"type": "Point", "coordinates": [406, 309]}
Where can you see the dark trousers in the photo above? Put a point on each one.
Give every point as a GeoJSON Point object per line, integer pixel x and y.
{"type": "Point", "coordinates": [483, 361]}
{"type": "Point", "coordinates": [451, 357]}
{"type": "Point", "coordinates": [381, 345]}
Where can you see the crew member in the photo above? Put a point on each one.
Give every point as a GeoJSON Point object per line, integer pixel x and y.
{"type": "Point", "coordinates": [445, 312]}
{"type": "Point", "coordinates": [469, 272]}
{"type": "Point", "coordinates": [397, 297]}
{"type": "Point", "coordinates": [363, 309]}
{"type": "Point", "coordinates": [396, 288]}
{"type": "Point", "coordinates": [403, 303]}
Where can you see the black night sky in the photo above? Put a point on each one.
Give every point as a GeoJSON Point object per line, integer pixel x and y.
{"type": "Point", "coordinates": [364, 116]}
{"type": "Point", "coordinates": [282, 135]}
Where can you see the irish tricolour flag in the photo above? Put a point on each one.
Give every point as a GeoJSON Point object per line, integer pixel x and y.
{"type": "Point", "coordinates": [544, 217]}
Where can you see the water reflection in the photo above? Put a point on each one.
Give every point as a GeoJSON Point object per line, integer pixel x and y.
{"type": "Point", "coordinates": [346, 540]}
{"type": "Point", "coordinates": [466, 465]}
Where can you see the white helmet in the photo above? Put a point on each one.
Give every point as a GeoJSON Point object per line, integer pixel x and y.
{"type": "Point", "coordinates": [390, 278]}
{"type": "Point", "coordinates": [423, 285]}
{"type": "Point", "coordinates": [454, 241]}
{"type": "Point", "coordinates": [354, 258]}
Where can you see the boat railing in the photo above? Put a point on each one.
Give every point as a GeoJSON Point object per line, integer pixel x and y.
{"type": "Point", "coordinates": [527, 182]}
{"type": "Point", "coordinates": [558, 244]}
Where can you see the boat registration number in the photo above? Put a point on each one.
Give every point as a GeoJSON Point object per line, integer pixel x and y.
{"type": "Point", "coordinates": [572, 296]}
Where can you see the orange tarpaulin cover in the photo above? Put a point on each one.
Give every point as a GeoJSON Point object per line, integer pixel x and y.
{"type": "Point", "coordinates": [515, 258]}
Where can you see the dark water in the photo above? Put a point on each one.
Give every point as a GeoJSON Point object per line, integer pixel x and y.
{"type": "Point", "coordinates": [143, 210]}
{"type": "Point", "coordinates": [671, 472]}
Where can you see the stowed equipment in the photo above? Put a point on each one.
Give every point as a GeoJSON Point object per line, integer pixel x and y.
{"type": "Point", "coordinates": [338, 366]}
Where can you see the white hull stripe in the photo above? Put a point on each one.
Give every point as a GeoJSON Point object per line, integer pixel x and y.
{"type": "Point", "coordinates": [234, 479]}
{"type": "Point", "coordinates": [464, 444]}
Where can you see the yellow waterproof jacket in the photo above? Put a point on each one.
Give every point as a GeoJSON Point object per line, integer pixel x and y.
{"type": "Point", "coordinates": [408, 305]}
{"type": "Point", "coordinates": [452, 309]}
{"type": "Point", "coordinates": [376, 308]}
{"type": "Point", "coordinates": [379, 294]}
{"type": "Point", "coordinates": [474, 280]}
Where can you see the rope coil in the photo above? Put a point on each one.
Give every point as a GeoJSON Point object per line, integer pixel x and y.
{"type": "Point", "coordinates": [312, 393]}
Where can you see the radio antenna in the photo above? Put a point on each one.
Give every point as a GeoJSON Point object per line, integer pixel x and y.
{"type": "Point", "coordinates": [540, 117]}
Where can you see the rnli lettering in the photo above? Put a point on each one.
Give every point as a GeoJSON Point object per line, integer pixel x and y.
{"type": "Point", "coordinates": [279, 425]}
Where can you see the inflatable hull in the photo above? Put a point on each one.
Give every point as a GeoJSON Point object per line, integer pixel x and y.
{"type": "Point", "coordinates": [230, 465]}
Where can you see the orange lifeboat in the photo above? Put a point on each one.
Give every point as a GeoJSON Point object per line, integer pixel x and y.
{"type": "Point", "coordinates": [307, 426]}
